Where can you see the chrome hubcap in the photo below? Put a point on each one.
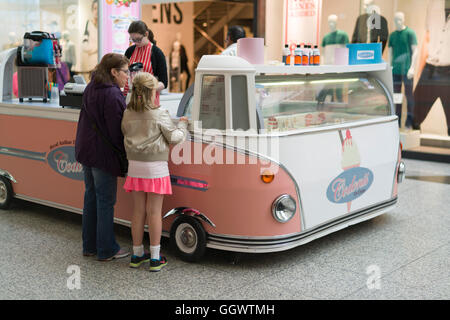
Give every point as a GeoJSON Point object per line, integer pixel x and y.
{"type": "Point", "coordinates": [2, 192]}
{"type": "Point", "coordinates": [186, 238]}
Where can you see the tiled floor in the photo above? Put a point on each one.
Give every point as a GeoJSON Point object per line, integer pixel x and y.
{"type": "Point", "coordinates": [406, 251]}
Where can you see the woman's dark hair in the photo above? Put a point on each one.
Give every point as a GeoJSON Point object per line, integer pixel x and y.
{"type": "Point", "coordinates": [140, 27]}
{"type": "Point", "coordinates": [102, 72]}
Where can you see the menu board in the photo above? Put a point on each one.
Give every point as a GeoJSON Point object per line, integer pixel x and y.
{"type": "Point", "coordinates": [212, 104]}
{"type": "Point", "coordinates": [116, 18]}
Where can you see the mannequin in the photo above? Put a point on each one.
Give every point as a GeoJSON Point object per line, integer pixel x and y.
{"type": "Point", "coordinates": [334, 39]}
{"type": "Point", "coordinates": [89, 43]}
{"type": "Point", "coordinates": [371, 26]}
{"type": "Point", "coordinates": [403, 57]}
{"type": "Point", "coordinates": [434, 65]}
{"type": "Point", "coordinates": [178, 59]}
{"type": "Point", "coordinates": [332, 22]}
{"type": "Point", "coordinates": [175, 82]}
{"type": "Point", "coordinates": [69, 54]}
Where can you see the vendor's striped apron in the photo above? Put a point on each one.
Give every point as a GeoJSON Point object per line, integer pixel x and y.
{"type": "Point", "coordinates": [144, 55]}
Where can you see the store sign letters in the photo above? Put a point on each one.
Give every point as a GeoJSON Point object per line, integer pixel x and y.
{"type": "Point", "coordinates": [349, 185]}
{"type": "Point", "coordinates": [302, 21]}
{"type": "Point", "coordinates": [165, 10]}
{"type": "Point", "coordinates": [62, 160]}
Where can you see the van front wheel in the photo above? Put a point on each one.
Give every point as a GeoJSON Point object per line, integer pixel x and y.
{"type": "Point", "coordinates": [188, 238]}
{"type": "Point", "coordinates": [6, 193]}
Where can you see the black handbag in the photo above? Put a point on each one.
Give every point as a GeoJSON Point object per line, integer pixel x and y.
{"type": "Point", "coordinates": [121, 156]}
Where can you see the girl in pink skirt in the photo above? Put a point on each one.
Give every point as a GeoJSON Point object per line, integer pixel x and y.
{"type": "Point", "coordinates": [147, 132]}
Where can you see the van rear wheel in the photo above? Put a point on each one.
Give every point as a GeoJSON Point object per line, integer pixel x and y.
{"type": "Point", "coordinates": [188, 238]}
{"type": "Point", "coordinates": [6, 193]}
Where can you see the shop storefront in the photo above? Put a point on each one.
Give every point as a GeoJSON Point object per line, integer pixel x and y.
{"type": "Point", "coordinates": [414, 36]}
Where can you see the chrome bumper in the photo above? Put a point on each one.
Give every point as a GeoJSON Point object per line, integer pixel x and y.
{"type": "Point", "coordinates": [401, 172]}
{"type": "Point", "coordinates": [281, 243]}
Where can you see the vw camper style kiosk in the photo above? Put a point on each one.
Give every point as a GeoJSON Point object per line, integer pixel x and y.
{"type": "Point", "coordinates": [277, 156]}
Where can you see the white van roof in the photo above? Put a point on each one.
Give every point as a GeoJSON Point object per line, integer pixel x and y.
{"type": "Point", "coordinates": [224, 63]}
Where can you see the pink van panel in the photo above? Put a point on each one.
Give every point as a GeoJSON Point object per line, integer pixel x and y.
{"type": "Point", "coordinates": [35, 178]}
{"type": "Point", "coordinates": [236, 200]}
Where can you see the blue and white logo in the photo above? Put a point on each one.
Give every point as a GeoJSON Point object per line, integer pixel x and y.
{"type": "Point", "coordinates": [63, 161]}
{"type": "Point", "coordinates": [365, 55]}
{"type": "Point", "coordinates": [349, 185]}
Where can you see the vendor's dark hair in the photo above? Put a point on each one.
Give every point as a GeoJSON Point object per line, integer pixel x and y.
{"type": "Point", "coordinates": [102, 72]}
{"type": "Point", "coordinates": [235, 33]}
{"type": "Point", "coordinates": [140, 27]}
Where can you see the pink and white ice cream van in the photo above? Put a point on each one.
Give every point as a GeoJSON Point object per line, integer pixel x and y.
{"type": "Point", "coordinates": [277, 156]}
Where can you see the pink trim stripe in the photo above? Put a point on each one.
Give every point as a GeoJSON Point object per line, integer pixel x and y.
{"type": "Point", "coordinates": [189, 183]}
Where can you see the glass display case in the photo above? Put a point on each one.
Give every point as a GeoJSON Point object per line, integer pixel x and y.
{"type": "Point", "coordinates": [289, 102]}
{"type": "Point", "coordinates": [294, 102]}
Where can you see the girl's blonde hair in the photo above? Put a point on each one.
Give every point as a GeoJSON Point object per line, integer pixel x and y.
{"type": "Point", "coordinates": [143, 92]}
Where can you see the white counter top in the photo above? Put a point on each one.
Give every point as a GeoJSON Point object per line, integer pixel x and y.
{"type": "Point", "coordinates": [268, 69]}
{"type": "Point", "coordinates": [217, 63]}
{"type": "Point", "coordinates": [52, 109]}
{"type": "Point", "coordinates": [33, 103]}
{"type": "Point", "coordinates": [39, 109]}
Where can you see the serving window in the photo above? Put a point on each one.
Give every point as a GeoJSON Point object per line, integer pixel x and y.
{"type": "Point", "coordinates": [296, 102]}
{"type": "Point", "coordinates": [239, 103]}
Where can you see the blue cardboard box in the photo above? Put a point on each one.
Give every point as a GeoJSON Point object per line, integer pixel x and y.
{"type": "Point", "coordinates": [364, 53]}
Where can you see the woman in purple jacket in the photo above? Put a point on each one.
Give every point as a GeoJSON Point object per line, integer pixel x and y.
{"type": "Point", "coordinates": [104, 104]}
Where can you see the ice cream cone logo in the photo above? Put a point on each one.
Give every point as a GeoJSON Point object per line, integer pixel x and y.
{"type": "Point", "coordinates": [350, 156]}
{"type": "Point", "coordinates": [354, 180]}
{"type": "Point", "coordinates": [350, 152]}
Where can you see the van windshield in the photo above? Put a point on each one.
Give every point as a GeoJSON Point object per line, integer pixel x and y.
{"type": "Point", "coordinates": [299, 101]}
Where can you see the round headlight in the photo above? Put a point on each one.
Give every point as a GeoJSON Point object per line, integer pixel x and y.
{"type": "Point", "coordinates": [283, 208]}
